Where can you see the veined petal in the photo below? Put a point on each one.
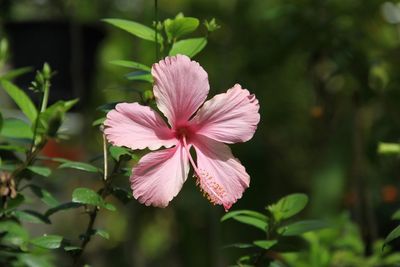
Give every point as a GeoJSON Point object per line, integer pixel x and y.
{"type": "Point", "coordinates": [180, 87]}
{"type": "Point", "coordinates": [159, 176]}
{"type": "Point", "coordinates": [230, 117]}
{"type": "Point", "coordinates": [137, 127]}
{"type": "Point", "coordinates": [221, 176]}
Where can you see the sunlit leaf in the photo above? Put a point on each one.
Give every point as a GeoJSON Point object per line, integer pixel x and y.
{"type": "Point", "coordinates": [14, 128]}
{"type": "Point", "coordinates": [180, 26]}
{"type": "Point", "coordinates": [131, 64]}
{"type": "Point", "coordinates": [47, 241]}
{"type": "Point", "coordinates": [188, 47]}
{"type": "Point", "coordinates": [136, 29]}
{"type": "Point", "coordinates": [256, 222]}
{"type": "Point", "coordinates": [388, 148]}
{"type": "Point", "coordinates": [265, 244]}
{"type": "Point", "coordinates": [288, 206]}
{"type": "Point", "coordinates": [43, 171]}
{"type": "Point", "coordinates": [99, 121]}
{"type": "Point", "coordinates": [302, 227]}
{"type": "Point", "coordinates": [144, 76]}
{"type": "Point", "coordinates": [87, 196]}
{"type": "Point", "coordinates": [249, 213]}
{"type": "Point", "coordinates": [118, 152]}
{"type": "Point", "coordinates": [21, 99]}
{"type": "Point", "coordinates": [103, 233]}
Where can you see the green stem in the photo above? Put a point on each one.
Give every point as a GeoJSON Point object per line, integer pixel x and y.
{"type": "Point", "coordinates": [45, 97]}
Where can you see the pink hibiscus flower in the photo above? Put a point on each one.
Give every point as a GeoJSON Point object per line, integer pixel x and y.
{"type": "Point", "coordinates": [181, 87]}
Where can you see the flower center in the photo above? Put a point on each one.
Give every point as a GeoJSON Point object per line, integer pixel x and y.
{"type": "Point", "coordinates": [184, 131]}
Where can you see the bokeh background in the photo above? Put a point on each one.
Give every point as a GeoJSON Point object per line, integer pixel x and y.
{"type": "Point", "coordinates": [326, 73]}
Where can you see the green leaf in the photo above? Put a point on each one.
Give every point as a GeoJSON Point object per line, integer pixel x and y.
{"type": "Point", "coordinates": [99, 121]}
{"type": "Point", "coordinates": [44, 195]}
{"type": "Point", "coordinates": [63, 207]}
{"type": "Point", "coordinates": [13, 203]}
{"type": "Point", "coordinates": [87, 196]}
{"type": "Point", "coordinates": [14, 128]}
{"type": "Point", "coordinates": [1, 121]}
{"type": "Point", "coordinates": [117, 152]}
{"type": "Point", "coordinates": [13, 233]}
{"type": "Point", "coordinates": [265, 244]}
{"type": "Point", "coordinates": [302, 227]}
{"type": "Point", "coordinates": [130, 64]}
{"type": "Point", "coordinates": [189, 47]}
{"type": "Point", "coordinates": [21, 99]}
{"type": "Point", "coordinates": [144, 76]}
{"type": "Point", "coordinates": [175, 28]}
{"type": "Point", "coordinates": [256, 222]}
{"type": "Point", "coordinates": [396, 215]}
{"type": "Point", "coordinates": [79, 166]}
{"type": "Point", "coordinates": [104, 234]}
{"type": "Point", "coordinates": [47, 241]}
{"type": "Point", "coordinates": [136, 29]}
{"type": "Point", "coordinates": [288, 206]}
{"type": "Point", "coordinates": [239, 245]}
{"type": "Point", "coordinates": [249, 213]}
{"type": "Point", "coordinates": [12, 74]}
{"type": "Point", "coordinates": [12, 148]}
{"type": "Point", "coordinates": [388, 148]}
{"type": "Point", "coordinates": [122, 195]}
{"type": "Point", "coordinates": [72, 248]}
{"type": "Point", "coordinates": [31, 216]}
{"type": "Point", "coordinates": [43, 171]}
{"type": "Point", "coordinates": [393, 235]}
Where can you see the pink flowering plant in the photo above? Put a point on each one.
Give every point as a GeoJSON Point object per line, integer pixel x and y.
{"type": "Point", "coordinates": [183, 130]}
{"type": "Point", "coordinates": [180, 89]}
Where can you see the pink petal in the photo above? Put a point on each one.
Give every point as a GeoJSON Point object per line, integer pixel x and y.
{"type": "Point", "coordinates": [159, 176]}
{"type": "Point", "coordinates": [137, 127]}
{"type": "Point", "coordinates": [230, 117]}
{"type": "Point", "coordinates": [180, 87]}
{"type": "Point", "coordinates": [222, 177]}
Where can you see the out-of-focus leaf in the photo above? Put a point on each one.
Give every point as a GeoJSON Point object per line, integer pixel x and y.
{"type": "Point", "coordinates": [188, 47]}
{"type": "Point", "coordinates": [396, 215]}
{"type": "Point", "coordinates": [103, 233]}
{"type": "Point", "coordinates": [21, 99]}
{"type": "Point", "coordinates": [31, 216]}
{"type": "Point", "coordinates": [131, 64]}
{"type": "Point", "coordinates": [265, 244]}
{"type": "Point", "coordinates": [12, 148]}
{"type": "Point", "coordinates": [136, 29]}
{"type": "Point", "coordinates": [388, 148]}
{"type": "Point", "coordinates": [72, 248]}
{"type": "Point", "coordinates": [14, 128]}
{"type": "Point", "coordinates": [51, 119]}
{"type": "Point", "coordinates": [144, 76]}
{"type": "Point", "coordinates": [99, 121]}
{"type": "Point", "coordinates": [45, 196]}
{"type": "Point", "coordinates": [36, 260]}
{"type": "Point", "coordinates": [62, 207]}
{"type": "Point", "coordinates": [43, 171]}
{"type": "Point", "coordinates": [393, 235]}
{"type": "Point", "coordinates": [47, 241]}
{"type": "Point", "coordinates": [175, 28]}
{"type": "Point", "coordinates": [239, 245]}
{"type": "Point", "coordinates": [80, 166]}
{"type": "Point", "coordinates": [14, 233]}
{"type": "Point", "coordinates": [122, 195]}
{"type": "Point", "coordinates": [302, 227]}
{"type": "Point", "coordinates": [1, 121]}
{"type": "Point", "coordinates": [249, 213]}
{"type": "Point", "coordinates": [211, 25]}
{"type": "Point", "coordinates": [13, 203]}
{"type": "Point", "coordinates": [288, 206]}
{"type": "Point", "coordinates": [12, 74]}
{"type": "Point", "coordinates": [291, 244]}
{"type": "Point", "coordinates": [107, 107]}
